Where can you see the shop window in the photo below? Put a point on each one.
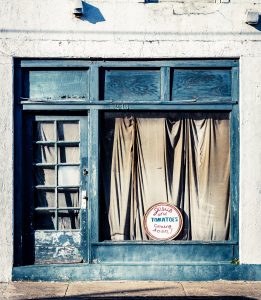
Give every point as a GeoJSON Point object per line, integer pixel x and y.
{"type": "Point", "coordinates": [179, 158]}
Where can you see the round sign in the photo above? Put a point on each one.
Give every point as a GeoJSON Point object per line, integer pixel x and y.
{"type": "Point", "coordinates": [163, 221]}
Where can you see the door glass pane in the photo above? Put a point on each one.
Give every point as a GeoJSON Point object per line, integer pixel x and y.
{"type": "Point", "coordinates": [44, 131]}
{"type": "Point", "coordinates": [44, 176]}
{"type": "Point", "coordinates": [45, 220]}
{"type": "Point", "coordinates": [68, 198]}
{"type": "Point", "coordinates": [68, 131]}
{"type": "Point", "coordinates": [45, 198]}
{"type": "Point", "coordinates": [68, 154]}
{"type": "Point", "coordinates": [44, 154]}
{"type": "Point", "coordinates": [68, 219]}
{"type": "Point", "coordinates": [68, 175]}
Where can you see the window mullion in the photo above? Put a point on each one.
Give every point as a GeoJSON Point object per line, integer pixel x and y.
{"type": "Point", "coordinates": [165, 84]}
{"type": "Point", "coordinates": [56, 174]}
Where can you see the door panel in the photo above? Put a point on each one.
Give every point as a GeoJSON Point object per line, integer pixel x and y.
{"type": "Point", "coordinates": [56, 147]}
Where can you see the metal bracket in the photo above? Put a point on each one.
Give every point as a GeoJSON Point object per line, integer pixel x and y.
{"type": "Point", "coordinates": [84, 199]}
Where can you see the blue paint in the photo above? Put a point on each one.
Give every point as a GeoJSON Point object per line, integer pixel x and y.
{"type": "Point", "coordinates": [200, 83]}
{"type": "Point", "coordinates": [166, 272]}
{"type": "Point", "coordinates": [130, 84]}
{"type": "Point", "coordinates": [177, 85]}
{"type": "Point", "coordinates": [56, 84]}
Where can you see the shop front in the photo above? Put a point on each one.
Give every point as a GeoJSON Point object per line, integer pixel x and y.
{"type": "Point", "coordinates": [126, 169]}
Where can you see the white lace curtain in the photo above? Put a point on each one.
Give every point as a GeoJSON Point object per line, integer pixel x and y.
{"type": "Point", "coordinates": [179, 158]}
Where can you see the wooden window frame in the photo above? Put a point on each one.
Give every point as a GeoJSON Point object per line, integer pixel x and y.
{"type": "Point", "coordinates": [104, 252]}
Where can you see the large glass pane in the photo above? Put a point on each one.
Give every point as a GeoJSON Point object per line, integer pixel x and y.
{"type": "Point", "coordinates": [68, 198]}
{"type": "Point", "coordinates": [44, 220]}
{"type": "Point", "coordinates": [68, 219]}
{"type": "Point", "coordinates": [44, 131]}
{"type": "Point", "coordinates": [44, 175]}
{"type": "Point", "coordinates": [68, 131]}
{"type": "Point", "coordinates": [45, 198]}
{"type": "Point", "coordinates": [180, 158]}
{"type": "Point", "coordinates": [68, 175]}
{"type": "Point", "coordinates": [44, 154]}
{"type": "Point", "coordinates": [68, 154]}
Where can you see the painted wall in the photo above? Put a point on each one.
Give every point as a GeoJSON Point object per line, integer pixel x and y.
{"type": "Point", "coordinates": [131, 29]}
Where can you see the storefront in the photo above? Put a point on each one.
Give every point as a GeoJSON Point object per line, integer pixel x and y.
{"type": "Point", "coordinates": [130, 150]}
{"type": "Point", "coordinates": [100, 142]}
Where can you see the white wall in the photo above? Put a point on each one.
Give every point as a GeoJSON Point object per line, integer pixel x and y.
{"type": "Point", "coordinates": [131, 29]}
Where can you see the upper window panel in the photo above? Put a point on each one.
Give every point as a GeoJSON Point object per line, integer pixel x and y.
{"type": "Point", "coordinates": [130, 84]}
{"type": "Point", "coordinates": [48, 84]}
{"type": "Point", "coordinates": [200, 84]}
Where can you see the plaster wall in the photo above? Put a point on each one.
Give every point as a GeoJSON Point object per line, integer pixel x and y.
{"type": "Point", "coordinates": [131, 29]}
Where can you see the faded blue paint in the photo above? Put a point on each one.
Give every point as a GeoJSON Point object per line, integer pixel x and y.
{"type": "Point", "coordinates": [56, 84]}
{"type": "Point", "coordinates": [166, 272]}
{"type": "Point", "coordinates": [130, 84]}
{"type": "Point", "coordinates": [201, 83]}
{"type": "Point", "coordinates": [136, 260]}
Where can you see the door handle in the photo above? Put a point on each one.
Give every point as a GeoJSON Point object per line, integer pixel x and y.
{"type": "Point", "coordinates": [84, 199]}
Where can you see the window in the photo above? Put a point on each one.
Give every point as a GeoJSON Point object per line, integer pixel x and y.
{"type": "Point", "coordinates": [181, 158]}
{"type": "Point", "coordinates": [99, 142]}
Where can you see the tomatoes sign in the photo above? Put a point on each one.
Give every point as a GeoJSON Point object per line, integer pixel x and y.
{"type": "Point", "coordinates": [163, 221]}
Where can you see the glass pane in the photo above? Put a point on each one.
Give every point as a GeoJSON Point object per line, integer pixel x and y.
{"type": "Point", "coordinates": [44, 176]}
{"type": "Point", "coordinates": [45, 198]}
{"type": "Point", "coordinates": [68, 198]}
{"type": "Point", "coordinates": [44, 154]}
{"type": "Point", "coordinates": [130, 84]}
{"type": "Point", "coordinates": [181, 158]}
{"type": "Point", "coordinates": [57, 84]}
{"type": "Point", "coordinates": [44, 220]}
{"type": "Point", "coordinates": [44, 131]}
{"type": "Point", "coordinates": [68, 219]}
{"type": "Point", "coordinates": [68, 131]}
{"type": "Point", "coordinates": [68, 175]}
{"type": "Point", "coordinates": [198, 84]}
{"type": "Point", "coordinates": [68, 154]}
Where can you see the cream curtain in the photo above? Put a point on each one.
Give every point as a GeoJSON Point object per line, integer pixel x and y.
{"type": "Point", "coordinates": [180, 158]}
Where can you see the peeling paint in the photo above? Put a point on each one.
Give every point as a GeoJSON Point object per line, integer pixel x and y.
{"type": "Point", "coordinates": [134, 30]}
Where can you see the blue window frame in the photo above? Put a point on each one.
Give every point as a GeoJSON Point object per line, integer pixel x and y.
{"type": "Point", "coordinates": [81, 91]}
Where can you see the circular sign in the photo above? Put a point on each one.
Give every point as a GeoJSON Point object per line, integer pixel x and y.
{"type": "Point", "coordinates": [163, 221]}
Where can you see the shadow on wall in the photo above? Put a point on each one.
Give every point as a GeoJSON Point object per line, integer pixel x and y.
{"type": "Point", "coordinates": [91, 14]}
{"type": "Point", "coordinates": [258, 26]}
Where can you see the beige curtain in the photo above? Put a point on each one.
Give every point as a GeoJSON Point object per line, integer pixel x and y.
{"type": "Point", "coordinates": [180, 158]}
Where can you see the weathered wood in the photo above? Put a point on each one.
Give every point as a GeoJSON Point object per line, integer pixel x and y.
{"type": "Point", "coordinates": [169, 272]}
{"type": "Point", "coordinates": [57, 247]}
{"type": "Point", "coordinates": [52, 63]}
{"type": "Point", "coordinates": [200, 83]}
{"type": "Point", "coordinates": [56, 84]}
{"type": "Point", "coordinates": [130, 84]}
{"type": "Point", "coordinates": [164, 253]}
{"type": "Point", "coordinates": [133, 85]}
{"type": "Point", "coordinates": [128, 106]}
